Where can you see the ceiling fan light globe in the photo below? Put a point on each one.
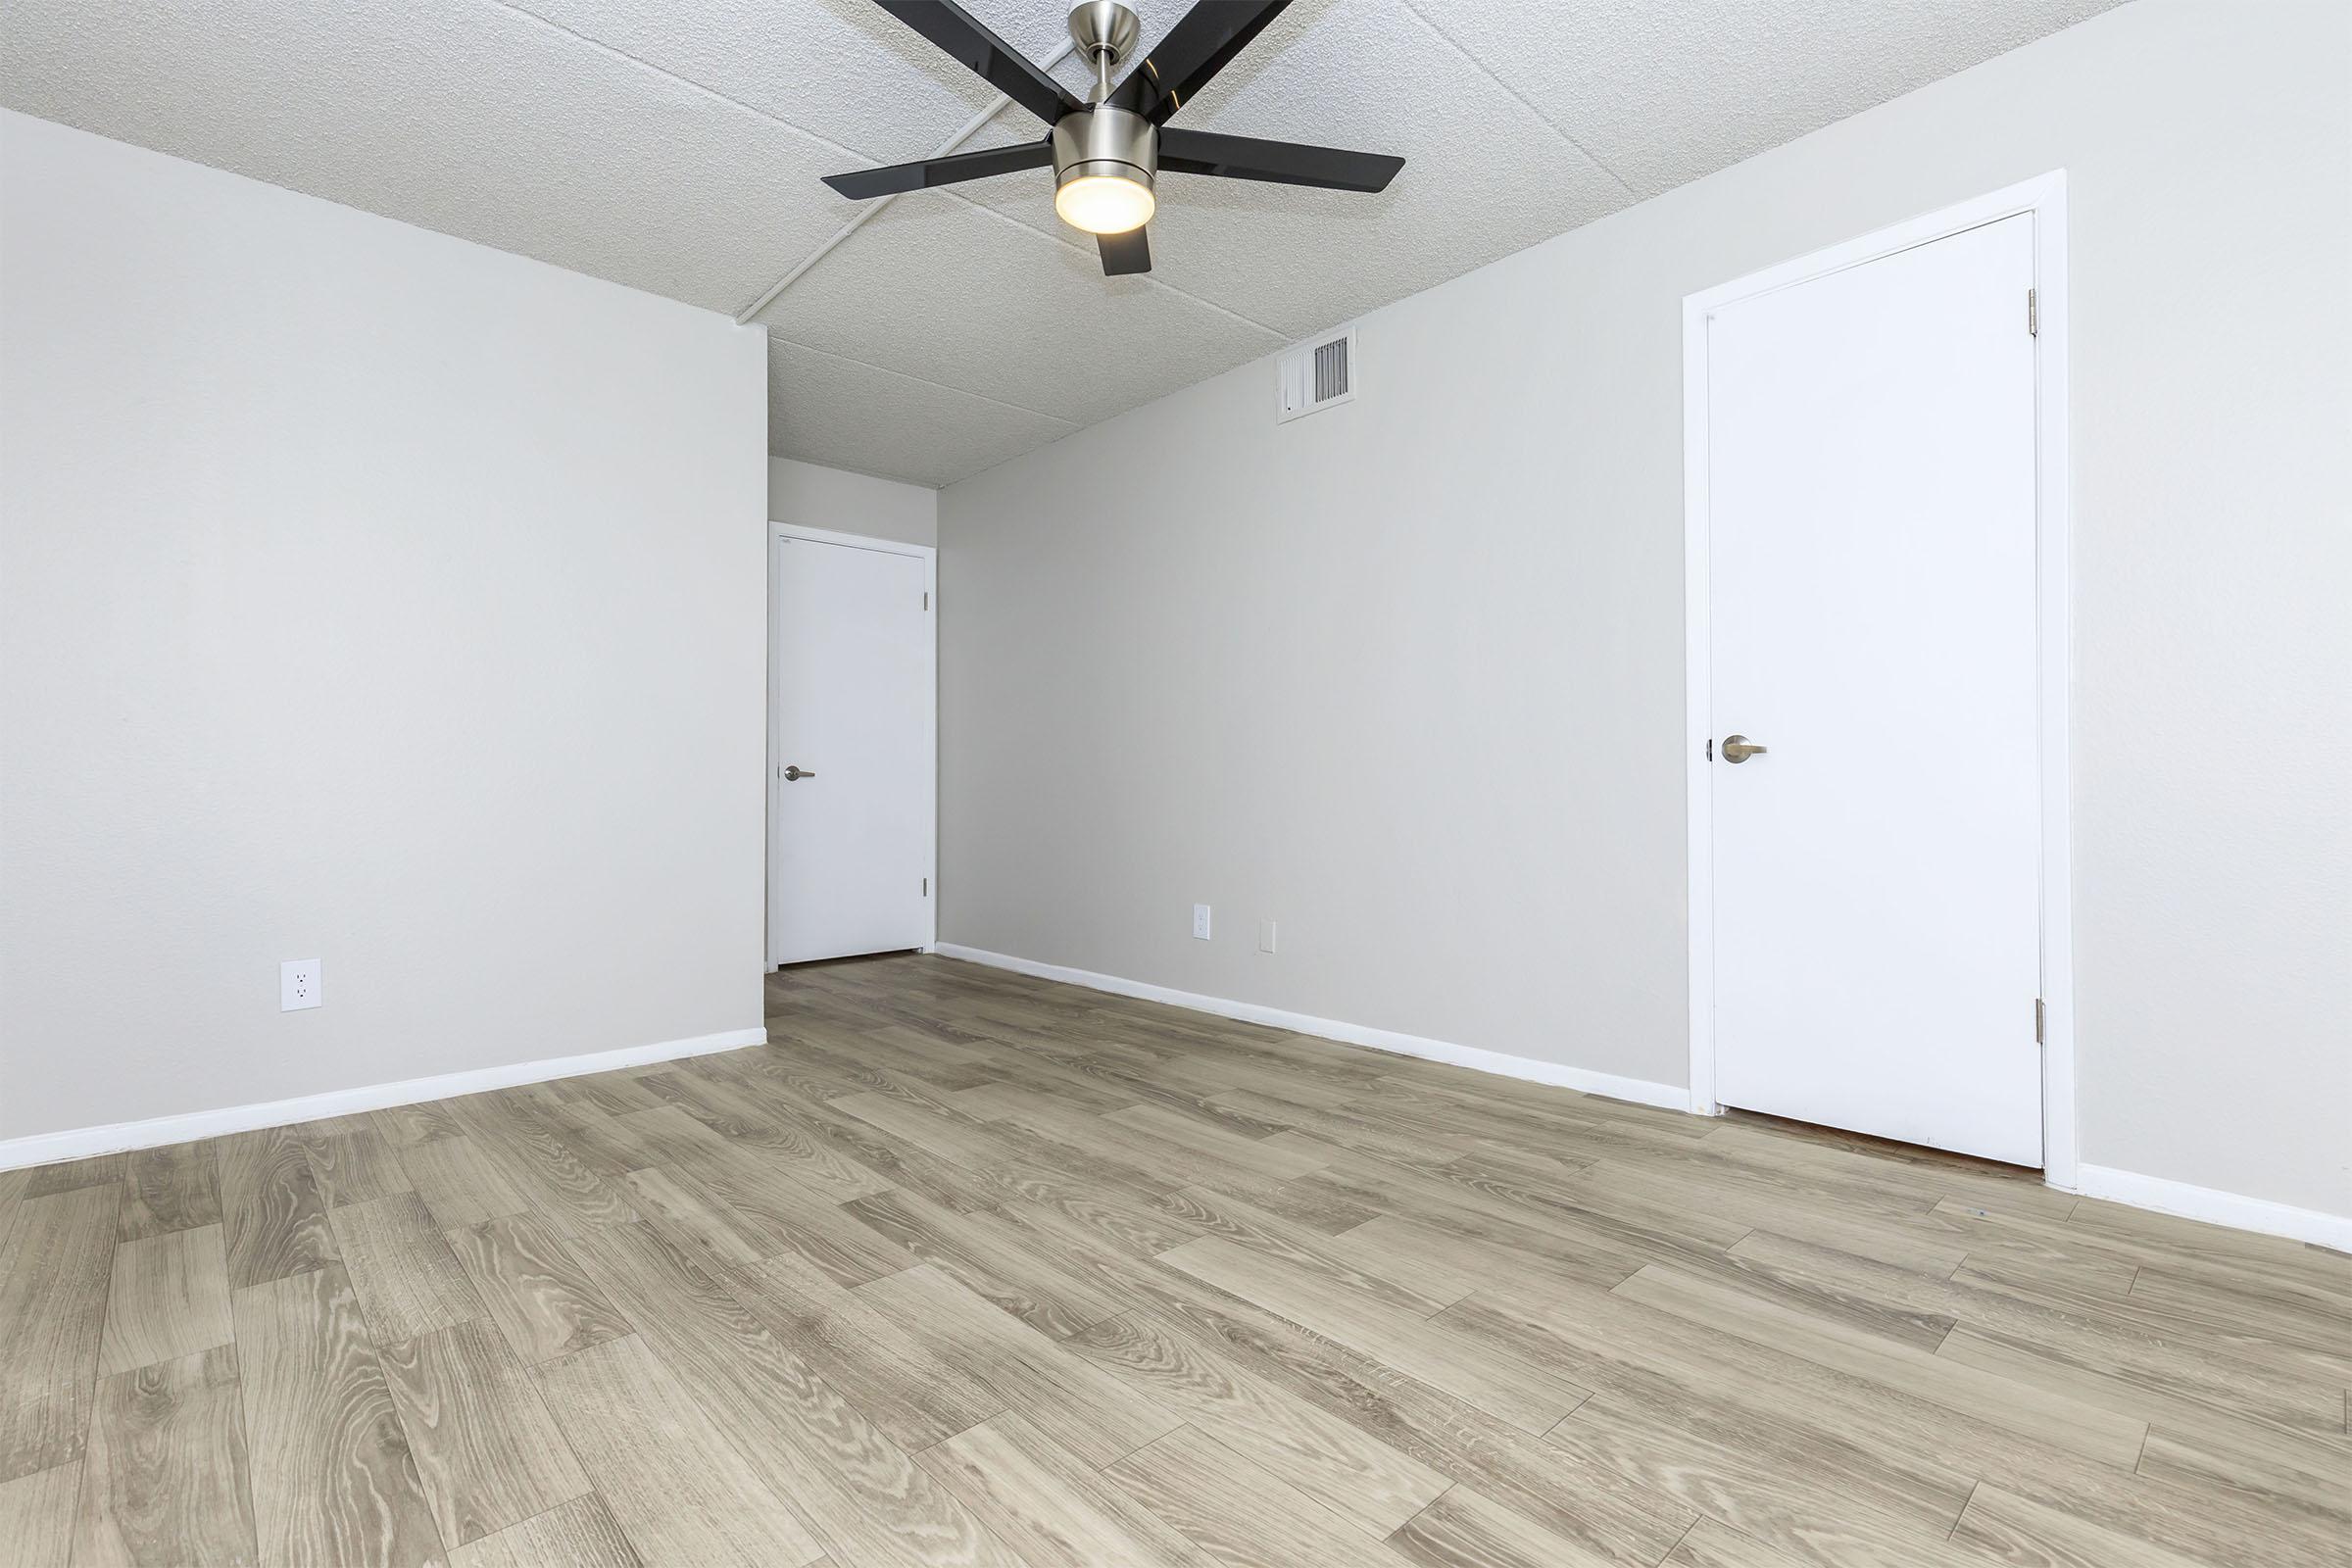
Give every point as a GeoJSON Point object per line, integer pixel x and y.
{"type": "Point", "coordinates": [1104, 204]}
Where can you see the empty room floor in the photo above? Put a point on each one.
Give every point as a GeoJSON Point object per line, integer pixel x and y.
{"type": "Point", "coordinates": [973, 1268]}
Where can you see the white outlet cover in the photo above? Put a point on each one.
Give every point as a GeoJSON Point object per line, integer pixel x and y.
{"type": "Point", "coordinates": [1201, 921]}
{"type": "Point", "coordinates": [1265, 936]}
{"type": "Point", "coordinates": [299, 984]}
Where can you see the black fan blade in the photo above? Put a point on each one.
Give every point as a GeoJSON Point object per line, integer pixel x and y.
{"type": "Point", "coordinates": [1285, 163]}
{"type": "Point", "coordinates": [866, 183]}
{"type": "Point", "coordinates": [1124, 253]}
{"type": "Point", "coordinates": [955, 29]}
{"type": "Point", "coordinates": [1195, 50]}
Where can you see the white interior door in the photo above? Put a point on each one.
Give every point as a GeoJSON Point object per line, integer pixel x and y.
{"type": "Point", "coordinates": [851, 777]}
{"type": "Point", "coordinates": [1870, 543]}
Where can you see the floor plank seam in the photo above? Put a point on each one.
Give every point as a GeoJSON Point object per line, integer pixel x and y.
{"type": "Point", "coordinates": [1406, 1523]}
{"type": "Point", "coordinates": [1679, 1540]}
{"type": "Point", "coordinates": [84, 1479]}
{"type": "Point", "coordinates": [1109, 1465]}
{"type": "Point", "coordinates": [1963, 1513]}
{"type": "Point", "coordinates": [916, 1454]}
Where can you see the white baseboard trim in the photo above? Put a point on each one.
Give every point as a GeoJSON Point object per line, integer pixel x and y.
{"type": "Point", "coordinates": [2214, 1206]}
{"type": "Point", "coordinates": [2092, 1181]}
{"type": "Point", "coordinates": [79, 1143]}
{"type": "Point", "coordinates": [1639, 1091]}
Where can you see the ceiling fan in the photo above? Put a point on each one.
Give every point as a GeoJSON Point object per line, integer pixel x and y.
{"type": "Point", "coordinates": [1107, 153]}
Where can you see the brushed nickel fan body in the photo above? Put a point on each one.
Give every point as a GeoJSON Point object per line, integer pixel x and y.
{"type": "Point", "coordinates": [1105, 141]}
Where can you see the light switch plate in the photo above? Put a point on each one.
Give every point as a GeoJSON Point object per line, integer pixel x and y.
{"type": "Point", "coordinates": [1265, 936]}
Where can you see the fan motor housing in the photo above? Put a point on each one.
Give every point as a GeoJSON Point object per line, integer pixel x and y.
{"type": "Point", "coordinates": [1103, 140]}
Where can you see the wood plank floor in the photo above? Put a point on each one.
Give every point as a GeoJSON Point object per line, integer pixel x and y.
{"type": "Point", "coordinates": [969, 1268]}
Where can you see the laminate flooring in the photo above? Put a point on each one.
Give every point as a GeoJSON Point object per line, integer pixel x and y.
{"type": "Point", "coordinates": [970, 1268]}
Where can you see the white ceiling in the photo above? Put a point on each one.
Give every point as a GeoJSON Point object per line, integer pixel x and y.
{"type": "Point", "coordinates": [675, 145]}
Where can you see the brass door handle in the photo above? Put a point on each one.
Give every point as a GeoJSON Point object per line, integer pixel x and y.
{"type": "Point", "coordinates": [1739, 749]}
{"type": "Point", "coordinates": [796, 773]}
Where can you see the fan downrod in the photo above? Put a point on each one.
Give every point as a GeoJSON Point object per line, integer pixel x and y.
{"type": "Point", "coordinates": [1106, 33]}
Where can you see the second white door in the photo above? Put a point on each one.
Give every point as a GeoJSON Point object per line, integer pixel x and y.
{"type": "Point", "coordinates": [1871, 541]}
{"type": "Point", "coordinates": [851, 780]}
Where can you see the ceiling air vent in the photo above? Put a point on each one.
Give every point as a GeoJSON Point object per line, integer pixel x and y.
{"type": "Point", "coordinates": [1319, 374]}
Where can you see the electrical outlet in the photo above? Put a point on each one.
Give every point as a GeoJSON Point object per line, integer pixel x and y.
{"type": "Point", "coordinates": [1265, 936]}
{"type": "Point", "coordinates": [1201, 921]}
{"type": "Point", "coordinates": [298, 985]}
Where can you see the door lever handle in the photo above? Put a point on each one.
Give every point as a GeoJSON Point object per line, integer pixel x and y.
{"type": "Point", "coordinates": [794, 774]}
{"type": "Point", "coordinates": [1739, 749]}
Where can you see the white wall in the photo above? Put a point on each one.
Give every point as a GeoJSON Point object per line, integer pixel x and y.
{"type": "Point", "coordinates": [817, 497]}
{"type": "Point", "coordinates": [1408, 674]}
{"type": "Point", "coordinates": [368, 595]}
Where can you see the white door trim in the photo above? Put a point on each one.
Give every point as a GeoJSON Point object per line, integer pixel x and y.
{"type": "Point", "coordinates": [778, 532]}
{"type": "Point", "coordinates": [2045, 198]}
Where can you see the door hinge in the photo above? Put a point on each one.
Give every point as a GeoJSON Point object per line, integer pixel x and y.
{"type": "Point", "coordinates": [926, 887]}
{"type": "Point", "coordinates": [2040, 1011]}
{"type": "Point", "coordinates": [2032, 313]}
{"type": "Point", "coordinates": [926, 598]}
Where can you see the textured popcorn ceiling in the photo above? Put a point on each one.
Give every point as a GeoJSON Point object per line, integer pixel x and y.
{"type": "Point", "coordinates": [675, 145]}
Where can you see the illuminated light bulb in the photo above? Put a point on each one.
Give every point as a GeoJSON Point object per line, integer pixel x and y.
{"type": "Point", "coordinates": [1104, 204]}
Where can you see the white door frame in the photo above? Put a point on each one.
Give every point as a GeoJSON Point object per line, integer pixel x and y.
{"type": "Point", "coordinates": [2045, 198]}
{"type": "Point", "coordinates": [778, 532]}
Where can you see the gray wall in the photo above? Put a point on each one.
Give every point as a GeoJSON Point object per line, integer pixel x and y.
{"type": "Point", "coordinates": [367, 596]}
{"type": "Point", "coordinates": [1408, 674]}
{"type": "Point", "coordinates": [814, 496]}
